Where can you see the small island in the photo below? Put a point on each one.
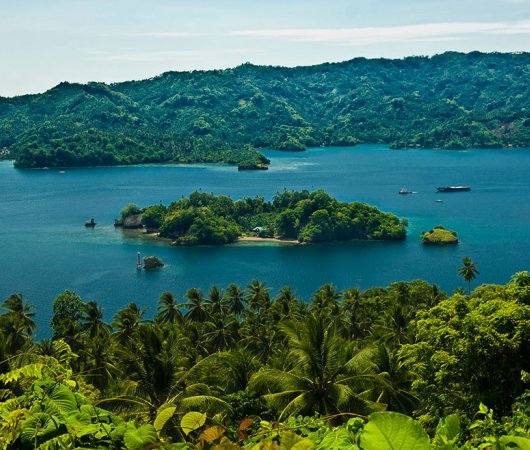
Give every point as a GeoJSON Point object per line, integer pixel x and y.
{"type": "Point", "coordinates": [131, 217]}
{"type": "Point", "coordinates": [259, 163]}
{"type": "Point", "coordinates": [152, 263]}
{"type": "Point", "coordinates": [291, 217]}
{"type": "Point", "coordinates": [439, 236]}
{"type": "Point", "coordinates": [252, 165]}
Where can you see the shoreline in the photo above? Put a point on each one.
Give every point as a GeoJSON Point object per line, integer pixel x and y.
{"type": "Point", "coordinates": [274, 240]}
{"type": "Point", "coordinates": [235, 164]}
{"type": "Point", "coordinates": [143, 233]}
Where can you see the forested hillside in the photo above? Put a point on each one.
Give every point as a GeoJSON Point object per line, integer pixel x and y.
{"type": "Point", "coordinates": [450, 101]}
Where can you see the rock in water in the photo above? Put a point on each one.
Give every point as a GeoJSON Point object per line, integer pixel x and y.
{"type": "Point", "coordinates": [133, 221]}
{"type": "Point", "coordinates": [152, 263]}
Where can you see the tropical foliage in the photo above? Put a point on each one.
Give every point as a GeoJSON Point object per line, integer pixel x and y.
{"type": "Point", "coordinates": [204, 218]}
{"type": "Point", "coordinates": [401, 367]}
{"type": "Point", "coordinates": [450, 101]}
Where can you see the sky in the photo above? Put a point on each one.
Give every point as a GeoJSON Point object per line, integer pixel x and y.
{"type": "Point", "coordinates": [45, 42]}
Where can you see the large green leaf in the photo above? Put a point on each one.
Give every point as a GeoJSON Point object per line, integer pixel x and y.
{"type": "Point", "coordinates": [212, 433]}
{"type": "Point", "coordinates": [163, 416]}
{"type": "Point", "coordinates": [192, 421]}
{"type": "Point", "coordinates": [291, 441]}
{"type": "Point", "coordinates": [393, 431]}
{"type": "Point", "coordinates": [63, 399]}
{"type": "Point", "coordinates": [62, 442]}
{"type": "Point", "coordinates": [78, 419]}
{"type": "Point", "coordinates": [138, 438]}
{"type": "Point", "coordinates": [337, 440]}
{"type": "Point", "coordinates": [447, 432]}
{"type": "Point", "coordinates": [515, 442]}
{"type": "Point", "coordinates": [39, 428]}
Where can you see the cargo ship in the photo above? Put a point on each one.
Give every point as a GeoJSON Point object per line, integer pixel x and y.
{"type": "Point", "coordinates": [453, 189]}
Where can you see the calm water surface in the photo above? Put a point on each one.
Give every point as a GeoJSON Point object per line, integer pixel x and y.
{"type": "Point", "coordinates": [45, 248]}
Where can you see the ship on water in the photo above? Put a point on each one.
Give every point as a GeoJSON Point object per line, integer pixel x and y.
{"type": "Point", "coordinates": [453, 189]}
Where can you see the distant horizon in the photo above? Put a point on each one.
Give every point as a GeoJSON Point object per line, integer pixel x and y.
{"type": "Point", "coordinates": [44, 43]}
{"type": "Point", "coordinates": [261, 65]}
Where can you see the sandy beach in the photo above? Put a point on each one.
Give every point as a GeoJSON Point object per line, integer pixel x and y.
{"type": "Point", "coordinates": [275, 240]}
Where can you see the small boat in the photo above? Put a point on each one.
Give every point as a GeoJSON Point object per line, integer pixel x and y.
{"type": "Point", "coordinates": [90, 223]}
{"type": "Point", "coordinates": [453, 189]}
{"type": "Point", "coordinates": [61, 171]}
{"type": "Point", "coordinates": [405, 191]}
{"type": "Point", "coordinates": [439, 200]}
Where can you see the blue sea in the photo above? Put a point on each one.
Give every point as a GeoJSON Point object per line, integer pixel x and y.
{"type": "Point", "coordinates": [45, 248]}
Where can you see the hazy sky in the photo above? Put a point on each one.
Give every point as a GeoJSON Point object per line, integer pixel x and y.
{"type": "Point", "coordinates": [44, 42]}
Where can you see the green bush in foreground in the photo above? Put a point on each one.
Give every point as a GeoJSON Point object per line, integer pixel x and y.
{"type": "Point", "coordinates": [401, 367]}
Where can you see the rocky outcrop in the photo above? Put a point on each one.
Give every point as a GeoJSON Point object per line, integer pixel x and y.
{"type": "Point", "coordinates": [152, 263]}
{"type": "Point", "coordinates": [133, 221]}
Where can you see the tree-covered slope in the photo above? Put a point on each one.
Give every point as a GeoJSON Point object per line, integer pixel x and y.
{"type": "Point", "coordinates": [451, 100]}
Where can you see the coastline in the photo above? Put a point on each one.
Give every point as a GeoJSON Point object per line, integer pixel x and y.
{"type": "Point", "coordinates": [143, 233]}
{"type": "Point", "coordinates": [229, 164]}
{"type": "Point", "coordinates": [274, 240]}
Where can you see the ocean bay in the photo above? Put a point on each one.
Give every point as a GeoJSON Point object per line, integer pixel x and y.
{"type": "Point", "coordinates": [43, 239]}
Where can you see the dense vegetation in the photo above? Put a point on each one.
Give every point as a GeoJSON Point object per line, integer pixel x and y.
{"type": "Point", "coordinates": [238, 368]}
{"type": "Point", "coordinates": [439, 236]}
{"type": "Point", "coordinates": [451, 100]}
{"type": "Point", "coordinates": [204, 218]}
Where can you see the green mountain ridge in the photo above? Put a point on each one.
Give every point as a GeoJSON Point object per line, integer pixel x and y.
{"type": "Point", "coordinates": [450, 101]}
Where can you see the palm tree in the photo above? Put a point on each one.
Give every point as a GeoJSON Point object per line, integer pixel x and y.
{"type": "Point", "coordinates": [16, 324]}
{"type": "Point", "coordinates": [45, 348]}
{"type": "Point", "coordinates": [221, 333]}
{"type": "Point", "coordinates": [13, 333]}
{"type": "Point", "coordinates": [196, 308]}
{"type": "Point", "coordinates": [392, 327]}
{"type": "Point", "coordinates": [257, 295]}
{"type": "Point", "coordinates": [327, 374]}
{"type": "Point", "coordinates": [168, 311]}
{"type": "Point", "coordinates": [468, 272]}
{"type": "Point", "coordinates": [285, 299]}
{"type": "Point", "coordinates": [350, 316]}
{"type": "Point", "coordinates": [21, 312]}
{"type": "Point", "coordinates": [98, 361]}
{"type": "Point", "coordinates": [325, 300]}
{"type": "Point", "coordinates": [258, 337]}
{"type": "Point", "coordinates": [285, 306]}
{"type": "Point", "coordinates": [216, 301]}
{"type": "Point", "coordinates": [230, 370]}
{"type": "Point", "coordinates": [402, 289]}
{"type": "Point", "coordinates": [235, 299]}
{"type": "Point", "coordinates": [396, 394]}
{"type": "Point", "coordinates": [92, 321]}
{"type": "Point", "coordinates": [127, 321]}
{"type": "Point", "coordinates": [156, 374]}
